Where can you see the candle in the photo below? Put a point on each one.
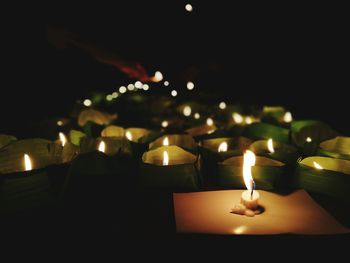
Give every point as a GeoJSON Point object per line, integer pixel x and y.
{"type": "Point", "coordinates": [249, 197]}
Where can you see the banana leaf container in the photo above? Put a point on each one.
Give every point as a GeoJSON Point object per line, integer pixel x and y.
{"type": "Point", "coordinates": [324, 175]}
{"type": "Point", "coordinates": [338, 147]}
{"type": "Point", "coordinates": [266, 131]}
{"type": "Point", "coordinates": [180, 173]}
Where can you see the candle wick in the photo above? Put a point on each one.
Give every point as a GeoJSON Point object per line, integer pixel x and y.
{"type": "Point", "coordinates": [253, 187]}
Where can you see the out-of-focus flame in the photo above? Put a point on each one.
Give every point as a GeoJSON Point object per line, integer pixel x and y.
{"type": "Point", "coordinates": [223, 147]}
{"type": "Point", "coordinates": [237, 117]}
{"type": "Point", "coordinates": [166, 141]}
{"type": "Point", "coordinates": [63, 138]}
{"type": "Point", "coordinates": [165, 158]}
{"type": "Point", "coordinates": [270, 146]}
{"type": "Point", "coordinates": [287, 117]}
{"type": "Point", "coordinates": [318, 166]}
{"type": "Point", "coordinates": [27, 163]}
{"type": "Point", "coordinates": [128, 135]}
{"type": "Point", "coordinates": [102, 146]}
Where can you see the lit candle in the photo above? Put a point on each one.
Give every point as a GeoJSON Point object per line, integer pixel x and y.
{"type": "Point", "coordinates": [249, 197]}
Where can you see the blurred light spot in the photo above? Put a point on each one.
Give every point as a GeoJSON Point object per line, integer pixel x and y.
{"type": "Point", "coordinates": [287, 117]}
{"type": "Point", "coordinates": [237, 117]}
{"type": "Point", "coordinates": [174, 93]}
{"type": "Point", "coordinates": [210, 122]}
{"type": "Point", "coordinates": [158, 76]}
{"type": "Point", "coordinates": [187, 111]}
{"type": "Point", "coordinates": [109, 97]}
{"type": "Point", "coordinates": [122, 89]}
{"type": "Point", "coordinates": [145, 87]}
{"type": "Point", "coordinates": [87, 103]}
{"type": "Point", "coordinates": [138, 84]}
{"type": "Point", "coordinates": [240, 230]}
{"type": "Point", "coordinates": [131, 87]}
{"type": "Point", "coordinates": [190, 85]}
{"type": "Point", "coordinates": [248, 120]}
{"type": "Point", "coordinates": [222, 105]}
{"type": "Point", "coordinates": [308, 139]}
{"type": "Point", "coordinates": [165, 124]}
{"type": "Point", "coordinates": [166, 83]}
{"type": "Point", "coordinates": [115, 95]}
{"type": "Point", "coordinates": [197, 116]}
{"type": "Point", "coordinates": [59, 123]}
{"type": "Point", "coordinates": [188, 8]}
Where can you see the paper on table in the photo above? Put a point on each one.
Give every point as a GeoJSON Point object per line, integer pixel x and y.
{"type": "Point", "coordinates": [209, 212]}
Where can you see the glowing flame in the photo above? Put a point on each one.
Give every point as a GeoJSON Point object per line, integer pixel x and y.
{"type": "Point", "coordinates": [190, 85]}
{"type": "Point", "coordinates": [128, 135]}
{"type": "Point", "coordinates": [188, 7]}
{"type": "Point", "coordinates": [248, 120]}
{"type": "Point", "coordinates": [165, 158]}
{"type": "Point", "coordinates": [237, 117]}
{"type": "Point", "coordinates": [187, 111]}
{"type": "Point", "coordinates": [222, 105]}
{"type": "Point", "coordinates": [102, 146]}
{"type": "Point", "coordinates": [308, 139]}
{"type": "Point", "coordinates": [166, 141]}
{"type": "Point", "coordinates": [158, 76]}
{"type": "Point", "coordinates": [287, 117]}
{"type": "Point", "coordinates": [270, 145]}
{"type": "Point", "coordinates": [317, 166]}
{"type": "Point", "coordinates": [27, 163]}
{"type": "Point", "coordinates": [248, 162]}
{"type": "Point", "coordinates": [165, 124]}
{"type": "Point", "coordinates": [210, 122]}
{"type": "Point", "coordinates": [63, 139]}
{"type": "Point", "coordinates": [222, 147]}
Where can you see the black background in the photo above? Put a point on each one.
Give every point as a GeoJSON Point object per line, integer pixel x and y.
{"type": "Point", "coordinates": [291, 55]}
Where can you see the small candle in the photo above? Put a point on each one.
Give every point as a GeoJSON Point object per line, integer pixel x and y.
{"type": "Point", "coordinates": [102, 146]}
{"type": "Point", "coordinates": [249, 197]}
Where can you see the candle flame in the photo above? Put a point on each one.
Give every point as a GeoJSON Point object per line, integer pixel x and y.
{"type": "Point", "coordinates": [165, 124]}
{"type": "Point", "coordinates": [248, 162]}
{"type": "Point", "coordinates": [27, 163]}
{"type": "Point", "coordinates": [102, 146]}
{"type": "Point", "coordinates": [222, 147]}
{"type": "Point", "coordinates": [210, 122]}
{"type": "Point", "coordinates": [158, 76]}
{"type": "Point", "coordinates": [63, 138]}
{"type": "Point", "coordinates": [287, 117]}
{"type": "Point", "coordinates": [166, 141]}
{"type": "Point", "coordinates": [187, 111]}
{"type": "Point", "coordinates": [248, 120]}
{"type": "Point", "coordinates": [318, 166]}
{"type": "Point", "coordinates": [165, 158]}
{"type": "Point", "coordinates": [270, 145]}
{"type": "Point", "coordinates": [128, 135]}
{"type": "Point", "coordinates": [237, 117]}
{"type": "Point", "coordinates": [308, 139]}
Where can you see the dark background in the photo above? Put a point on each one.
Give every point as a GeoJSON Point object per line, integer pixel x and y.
{"type": "Point", "coordinates": [294, 56]}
